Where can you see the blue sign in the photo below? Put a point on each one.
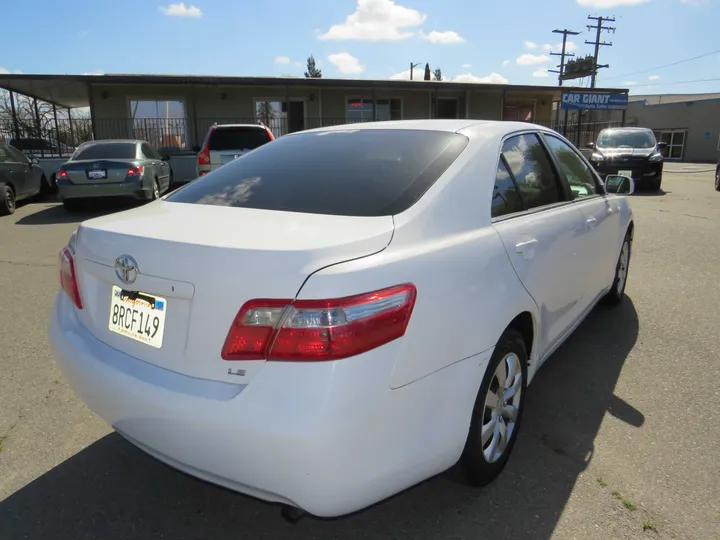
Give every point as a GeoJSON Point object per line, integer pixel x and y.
{"type": "Point", "coordinates": [594, 101]}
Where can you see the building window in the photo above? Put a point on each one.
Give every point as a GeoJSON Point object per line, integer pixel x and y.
{"type": "Point", "coordinates": [161, 122]}
{"type": "Point", "coordinates": [361, 109]}
{"type": "Point", "coordinates": [675, 140]}
{"type": "Point", "coordinates": [272, 113]}
{"type": "Point", "coordinates": [518, 110]}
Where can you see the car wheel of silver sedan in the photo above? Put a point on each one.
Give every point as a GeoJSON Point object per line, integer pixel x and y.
{"type": "Point", "coordinates": [617, 291]}
{"type": "Point", "coordinates": [497, 412]}
{"type": "Point", "coordinates": [155, 191]}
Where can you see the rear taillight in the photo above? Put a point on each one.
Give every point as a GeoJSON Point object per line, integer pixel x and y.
{"type": "Point", "coordinates": [61, 174]}
{"type": "Point", "coordinates": [272, 137]}
{"type": "Point", "coordinates": [203, 157]}
{"type": "Point", "coordinates": [136, 171]}
{"type": "Point", "coordinates": [68, 278]}
{"type": "Point", "coordinates": [317, 330]}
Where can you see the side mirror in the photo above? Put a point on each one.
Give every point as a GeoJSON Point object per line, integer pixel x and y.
{"type": "Point", "coordinates": [620, 185]}
{"type": "Point", "coordinates": [591, 145]}
{"type": "Point", "coordinates": [662, 144]}
{"type": "Point", "coordinates": [34, 161]}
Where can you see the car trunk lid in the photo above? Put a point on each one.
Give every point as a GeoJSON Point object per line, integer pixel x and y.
{"type": "Point", "coordinates": [204, 263]}
{"type": "Point", "coordinates": [98, 171]}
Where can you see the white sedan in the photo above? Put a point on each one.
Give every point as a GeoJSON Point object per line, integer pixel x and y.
{"type": "Point", "coordinates": [343, 313]}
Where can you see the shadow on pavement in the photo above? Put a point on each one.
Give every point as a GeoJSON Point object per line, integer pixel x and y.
{"type": "Point", "coordinates": [111, 490]}
{"type": "Point", "coordinates": [57, 213]}
{"type": "Point", "coordinates": [650, 193]}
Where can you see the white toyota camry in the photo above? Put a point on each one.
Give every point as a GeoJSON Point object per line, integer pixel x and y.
{"type": "Point", "coordinates": [346, 311]}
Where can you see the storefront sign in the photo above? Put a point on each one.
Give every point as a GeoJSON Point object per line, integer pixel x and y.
{"type": "Point", "coordinates": [593, 101]}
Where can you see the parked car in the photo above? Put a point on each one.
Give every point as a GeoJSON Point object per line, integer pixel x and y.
{"type": "Point", "coordinates": [226, 142]}
{"type": "Point", "coordinates": [353, 310]}
{"type": "Point", "coordinates": [128, 169]}
{"type": "Point", "coordinates": [20, 178]}
{"type": "Point", "coordinates": [629, 151]}
{"type": "Point", "coordinates": [34, 147]}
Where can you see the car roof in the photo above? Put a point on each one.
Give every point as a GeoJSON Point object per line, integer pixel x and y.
{"type": "Point", "coordinates": [226, 126]}
{"type": "Point", "coordinates": [628, 128]}
{"type": "Point", "coordinates": [112, 141]}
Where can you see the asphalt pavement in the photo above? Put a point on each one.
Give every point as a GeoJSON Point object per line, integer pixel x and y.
{"type": "Point", "coordinates": [620, 438]}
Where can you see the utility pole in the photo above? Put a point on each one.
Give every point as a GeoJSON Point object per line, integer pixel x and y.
{"type": "Point", "coordinates": [412, 67]}
{"type": "Point", "coordinates": [563, 55]}
{"type": "Point", "coordinates": [599, 27]}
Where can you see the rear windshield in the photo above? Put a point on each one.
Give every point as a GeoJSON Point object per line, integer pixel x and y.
{"type": "Point", "coordinates": [617, 138]}
{"type": "Point", "coordinates": [106, 151]}
{"type": "Point", "coordinates": [367, 172]}
{"type": "Point", "coordinates": [238, 138]}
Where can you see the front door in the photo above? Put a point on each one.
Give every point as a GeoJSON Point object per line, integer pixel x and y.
{"type": "Point", "coordinates": [543, 240]}
{"type": "Point", "coordinates": [296, 116]}
{"type": "Point", "coordinates": [447, 108]}
{"type": "Point", "coordinates": [601, 214]}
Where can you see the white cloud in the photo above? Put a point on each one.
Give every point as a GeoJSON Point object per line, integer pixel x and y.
{"type": "Point", "coordinates": [377, 20]}
{"type": "Point", "coordinates": [541, 73]}
{"type": "Point", "coordinates": [346, 63]}
{"type": "Point", "coordinates": [532, 59]}
{"type": "Point", "coordinates": [606, 4]}
{"type": "Point", "coordinates": [530, 45]}
{"type": "Point", "coordinates": [654, 78]}
{"type": "Point", "coordinates": [282, 60]}
{"type": "Point", "coordinates": [4, 71]}
{"type": "Point", "coordinates": [629, 83]}
{"type": "Point", "coordinates": [98, 72]}
{"type": "Point", "coordinates": [181, 10]}
{"type": "Point", "coordinates": [493, 78]}
{"type": "Point", "coordinates": [443, 38]}
{"type": "Point", "coordinates": [506, 62]}
{"type": "Point", "coordinates": [466, 66]}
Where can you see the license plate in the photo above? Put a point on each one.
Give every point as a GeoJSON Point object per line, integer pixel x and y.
{"type": "Point", "coordinates": [94, 174]}
{"type": "Point", "coordinates": [625, 173]}
{"type": "Point", "coordinates": [138, 316]}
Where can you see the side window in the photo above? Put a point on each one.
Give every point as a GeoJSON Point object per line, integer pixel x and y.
{"type": "Point", "coordinates": [532, 170]}
{"type": "Point", "coordinates": [505, 199]}
{"type": "Point", "coordinates": [148, 152]}
{"type": "Point", "coordinates": [16, 155]}
{"type": "Point", "coordinates": [580, 177]}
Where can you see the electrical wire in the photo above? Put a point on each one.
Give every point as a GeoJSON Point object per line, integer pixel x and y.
{"type": "Point", "coordinates": [662, 67]}
{"type": "Point", "coordinates": [676, 82]}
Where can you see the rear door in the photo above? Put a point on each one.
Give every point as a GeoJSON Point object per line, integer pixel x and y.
{"type": "Point", "coordinates": [542, 231]}
{"type": "Point", "coordinates": [17, 171]}
{"type": "Point", "coordinates": [160, 168]}
{"type": "Point", "coordinates": [231, 142]}
{"type": "Point", "coordinates": [601, 215]}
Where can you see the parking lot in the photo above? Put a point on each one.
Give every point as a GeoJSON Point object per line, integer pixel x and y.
{"type": "Point", "coordinates": [620, 437]}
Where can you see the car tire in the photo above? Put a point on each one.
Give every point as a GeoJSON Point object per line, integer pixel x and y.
{"type": "Point", "coordinates": [72, 205]}
{"type": "Point", "coordinates": [45, 188]}
{"type": "Point", "coordinates": [7, 199]}
{"type": "Point", "coordinates": [480, 463]}
{"type": "Point", "coordinates": [717, 179]}
{"type": "Point", "coordinates": [655, 184]}
{"type": "Point", "coordinates": [617, 292]}
{"type": "Point", "coordinates": [155, 193]}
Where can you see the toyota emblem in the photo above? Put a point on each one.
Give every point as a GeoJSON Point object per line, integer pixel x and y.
{"type": "Point", "coordinates": [126, 269]}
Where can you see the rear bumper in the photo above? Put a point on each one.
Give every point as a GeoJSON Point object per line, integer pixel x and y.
{"type": "Point", "coordinates": [330, 438]}
{"type": "Point", "coordinates": [126, 190]}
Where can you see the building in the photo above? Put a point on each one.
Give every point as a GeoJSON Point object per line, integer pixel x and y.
{"type": "Point", "coordinates": [175, 111]}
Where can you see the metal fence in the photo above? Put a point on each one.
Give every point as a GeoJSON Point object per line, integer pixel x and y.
{"type": "Point", "coordinates": [178, 135]}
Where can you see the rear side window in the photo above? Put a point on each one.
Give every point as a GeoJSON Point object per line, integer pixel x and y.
{"type": "Point", "coordinates": [106, 151]}
{"type": "Point", "coordinates": [532, 171]}
{"type": "Point", "coordinates": [366, 172]}
{"type": "Point", "coordinates": [240, 138]}
{"type": "Point", "coordinates": [506, 198]}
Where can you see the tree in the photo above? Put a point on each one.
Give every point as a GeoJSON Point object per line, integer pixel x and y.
{"type": "Point", "coordinates": [427, 72]}
{"type": "Point", "coordinates": [312, 72]}
{"type": "Point", "coordinates": [437, 74]}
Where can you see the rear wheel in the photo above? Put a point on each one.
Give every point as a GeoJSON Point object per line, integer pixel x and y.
{"type": "Point", "coordinates": [7, 199]}
{"type": "Point", "coordinates": [498, 408]}
{"type": "Point", "coordinates": [155, 195]}
{"type": "Point", "coordinates": [617, 291]}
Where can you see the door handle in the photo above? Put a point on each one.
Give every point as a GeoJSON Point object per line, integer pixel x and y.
{"type": "Point", "coordinates": [591, 223]}
{"type": "Point", "coordinates": [526, 247]}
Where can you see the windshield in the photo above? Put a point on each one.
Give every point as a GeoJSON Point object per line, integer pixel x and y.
{"type": "Point", "coordinates": [366, 172]}
{"type": "Point", "coordinates": [617, 138]}
{"type": "Point", "coordinates": [114, 150]}
{"type": "Point", "coordinates": [239, 138]}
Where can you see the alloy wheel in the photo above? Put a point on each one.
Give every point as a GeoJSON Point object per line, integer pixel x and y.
{"type": "Point", "coordinates": [502, 404]}
{"type": "Point", "coordinates": [623, 266]}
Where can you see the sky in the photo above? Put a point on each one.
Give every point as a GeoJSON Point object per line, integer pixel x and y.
{"type": "Point", "coordinates": [469, 40]}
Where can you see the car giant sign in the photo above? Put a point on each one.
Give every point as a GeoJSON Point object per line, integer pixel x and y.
{"type": "Point", "coordinates": [596, 101]}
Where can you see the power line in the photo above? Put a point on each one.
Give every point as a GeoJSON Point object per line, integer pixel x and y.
{"type": "Point", "coordinates": [676, 82]}
{"type": "Point", "coordinates": [666, 65]}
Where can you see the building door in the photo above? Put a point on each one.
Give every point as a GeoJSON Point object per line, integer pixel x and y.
{"type": "Point", "coordinates": [447, 108]}
{"type": "Point", "coordinates": [296, 116]}
{"type": "Point", "coordinates": [675, 143]}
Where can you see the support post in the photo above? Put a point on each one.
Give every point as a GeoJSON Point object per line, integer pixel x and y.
{"type": "Point", "coordinates": [286, 128]}
{"type": "Point", "coordinates": [72, 130]}
{"type": "Point", "coordinates": [502, 105]}
{"type": "Point", "coordinates": [624, 115]}
{"type": "Point", "coordinates": [467, 104]}
{"type": "Point", "coordinates": [16, 128]}
{"type": "Point", "coordinates": [374, 102]}
{"type": "Point", "coordinates": [37, 126]}
{"type": "Point", "coordinates": [565, 122]}
{"type": "Point", "coordinates": [320, 106]}
{"type": "Point", "coordinates": [579, 128]}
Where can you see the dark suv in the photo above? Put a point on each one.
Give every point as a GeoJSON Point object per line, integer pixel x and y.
{"type": "Point", "coordinates": [632, 152]}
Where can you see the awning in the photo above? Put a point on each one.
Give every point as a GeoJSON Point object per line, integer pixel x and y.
{"type": "Point", "coordinates": [60, 90]}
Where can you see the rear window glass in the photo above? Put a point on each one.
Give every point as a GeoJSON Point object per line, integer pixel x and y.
{"type": "Point", "coordinates": [368, 172]}
{"type": "Point", "coordinates": [107, 151]}
{"type": "Point", "coordinates": [237, 138]}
